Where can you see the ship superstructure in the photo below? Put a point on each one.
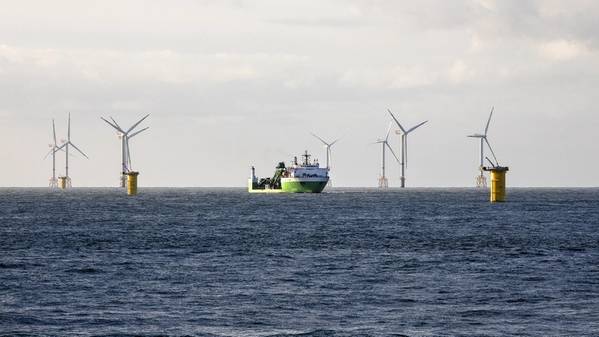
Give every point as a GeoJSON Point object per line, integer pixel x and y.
{"type": "Point", "coordinates": [305, 176]}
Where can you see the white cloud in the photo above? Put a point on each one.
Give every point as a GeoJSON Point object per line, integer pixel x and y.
{"type": "Point", "coordinates": [155, 65]}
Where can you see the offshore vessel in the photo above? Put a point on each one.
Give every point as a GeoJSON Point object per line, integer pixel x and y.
{"type": "Point", "coordinates": [300, 177]}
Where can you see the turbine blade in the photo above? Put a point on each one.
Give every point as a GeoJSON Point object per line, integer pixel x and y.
{"type": "Point", "coordinates": [322, 140]}
{"type": "Point", "coordinates": [396, 121]}
{"type": "Point", "coordinates": [47, 154]}
{"type": "Point", "coordinates": [490, 162]}
{"type": "Point", "coordinates": [416, 127]}
{"type": "Point", "coordinates": [69, 128]}
{"type": "Point", "coordinates": [388, 131]}
{"type": "Point", "coordinates": [335, 141]}
{"type": "Point", "coordinates": [128, 153]}
{"type": "Point", "coordinates": [137, 133]}
{"type": "Point", "coordinates": [136, 124]}
{"type": "Point", "coordinates": [76, 148]}
{"type": "Point", "coordinates": [489, 120]}
{"type": "Point", "coordinates": [490, 148]}
{"type": "Point", "coordinates": [54, 131]}
{"type": "Point", "coordinates": [393, 153]}
{"type": "Point", "coordinates": [113, 125]}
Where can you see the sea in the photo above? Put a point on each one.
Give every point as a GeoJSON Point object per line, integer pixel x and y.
{"type": "Point", "coordinates": [346, 262]}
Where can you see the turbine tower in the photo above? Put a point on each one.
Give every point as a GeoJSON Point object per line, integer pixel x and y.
{"type": "Point", "coordinates": [383, 182]}
{"type": "Point", "coordinates": [65, 181]}
{"type": "Point", "coordinates": [404, 146]}
{"type": "Point", "coordinates": [124, 137]}
{"type": "Point", "coordinates": [481, 181]}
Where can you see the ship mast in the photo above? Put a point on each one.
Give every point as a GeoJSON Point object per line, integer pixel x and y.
{"type": "Point", "coordinates": [306, 158]}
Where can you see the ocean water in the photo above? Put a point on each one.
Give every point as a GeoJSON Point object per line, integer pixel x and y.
{"type": "Point", "coordinates": [349, 262]}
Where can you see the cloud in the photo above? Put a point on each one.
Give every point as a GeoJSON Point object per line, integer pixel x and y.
{"type": "Point", "coordinates": [166, 66]}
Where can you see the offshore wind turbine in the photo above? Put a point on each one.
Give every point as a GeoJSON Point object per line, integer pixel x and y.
{"type": "Point", "coordinates": [481, 181]}
{"type": "Point", "coordinates": [53, 149]}
{"type": "Point", "coordinates": [66, 145]}
{"type": "Point", "coordinates": [125, 151]}
{"type": "Point", "coordinates": [328, 146]}
{"type": "Point", "coordinates": [383, 181]}
{"type": "Point", "coordinates": [404, 146]}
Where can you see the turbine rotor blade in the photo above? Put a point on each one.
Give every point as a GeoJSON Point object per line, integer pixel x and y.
{"type": "Point", "coordinates": [136, 124]}
{"type": "Point", "coordinates": [76, 148]}
{"type": "Point", "coordinates": [416, 127]}
{"type": "Point", "coordinates": [388, 131]}
{"type": "Point", "coordinates": [322, 140]}
{"type": "Point", "coordinates": [137, 133]}
{"type": "Point", "coordinates": [69, 128]}
{"type": "Point", "coordinates": [393, 153]}
{"type": "Point", "coordinates": [490, 162]}
{"type": "Point", "coordinates": [490, 148]}
{"type": "Point", "coordinates": [128, 153]}
{"type": "Point", "coordinates": [396, 121]}
{"type": "Point", "coordinates": [335, 141]}
{"type": "Point", "coordinates": [47, 154]}
{"type": "Point", "coordinates": [113, 125]}
{"type": "Point", "coordinates": [489, 120]}
{"type": "Point", "coordinates": [54, 131]}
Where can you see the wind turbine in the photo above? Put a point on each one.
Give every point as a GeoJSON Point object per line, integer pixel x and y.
{"type": "Point", "coordinates": [66, 146]}
{"type": "Point", "coordinates": [481, 181]}
{"type": "Point", "coordinates": [383, 182]}
{"type": "Point", "coordinates": [328, 147]}
{"type": "Point", "coordinates": [125, 136]}
{"type": "Point", "coordinates": [404, 146]}
{"type": "Point", "coordinates": [53, 149]}
{"type": "Point", "coordinates": [329, 154]}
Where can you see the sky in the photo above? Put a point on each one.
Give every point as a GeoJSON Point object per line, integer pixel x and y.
{"type": "Point", "coordinates": [231, 84]}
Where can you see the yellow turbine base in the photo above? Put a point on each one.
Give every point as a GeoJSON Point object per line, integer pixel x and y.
{"type": "Point", "coordinates": [62, 182]}
{"type": "Point", "coordinates": [497, 183]}
{"type": "Point", "coordinates": [132, 183]}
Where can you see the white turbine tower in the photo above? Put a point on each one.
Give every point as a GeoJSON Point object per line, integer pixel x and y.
{"type": "Point", "coordinates": [481, 181]}
{"type": "Point", "coordinates": [66, 146]}
{"type": "Point", "coordinates": [328, 146]}
{"type": "Point", "coordinates": [125, 152]}
{"type": "Point", "coordinates": [383, 181]}
{"type": "Point", "coordinates": [404, 146]}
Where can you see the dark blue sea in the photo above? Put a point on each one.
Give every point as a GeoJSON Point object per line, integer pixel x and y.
{"type": "Point", "coordinates": [349, 262]}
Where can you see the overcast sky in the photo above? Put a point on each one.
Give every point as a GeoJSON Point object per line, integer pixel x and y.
{"type": "Point", "coordinates": [230, 84]}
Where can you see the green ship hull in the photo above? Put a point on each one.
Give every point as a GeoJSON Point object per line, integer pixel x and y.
{"type": "Point", "coordinates": [299, 185]}
{"type": "Point", "coordinates": [293, 185]}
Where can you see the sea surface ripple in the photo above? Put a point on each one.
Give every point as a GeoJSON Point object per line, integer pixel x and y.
{"type": "Point", "coordinates": [349, 262]}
